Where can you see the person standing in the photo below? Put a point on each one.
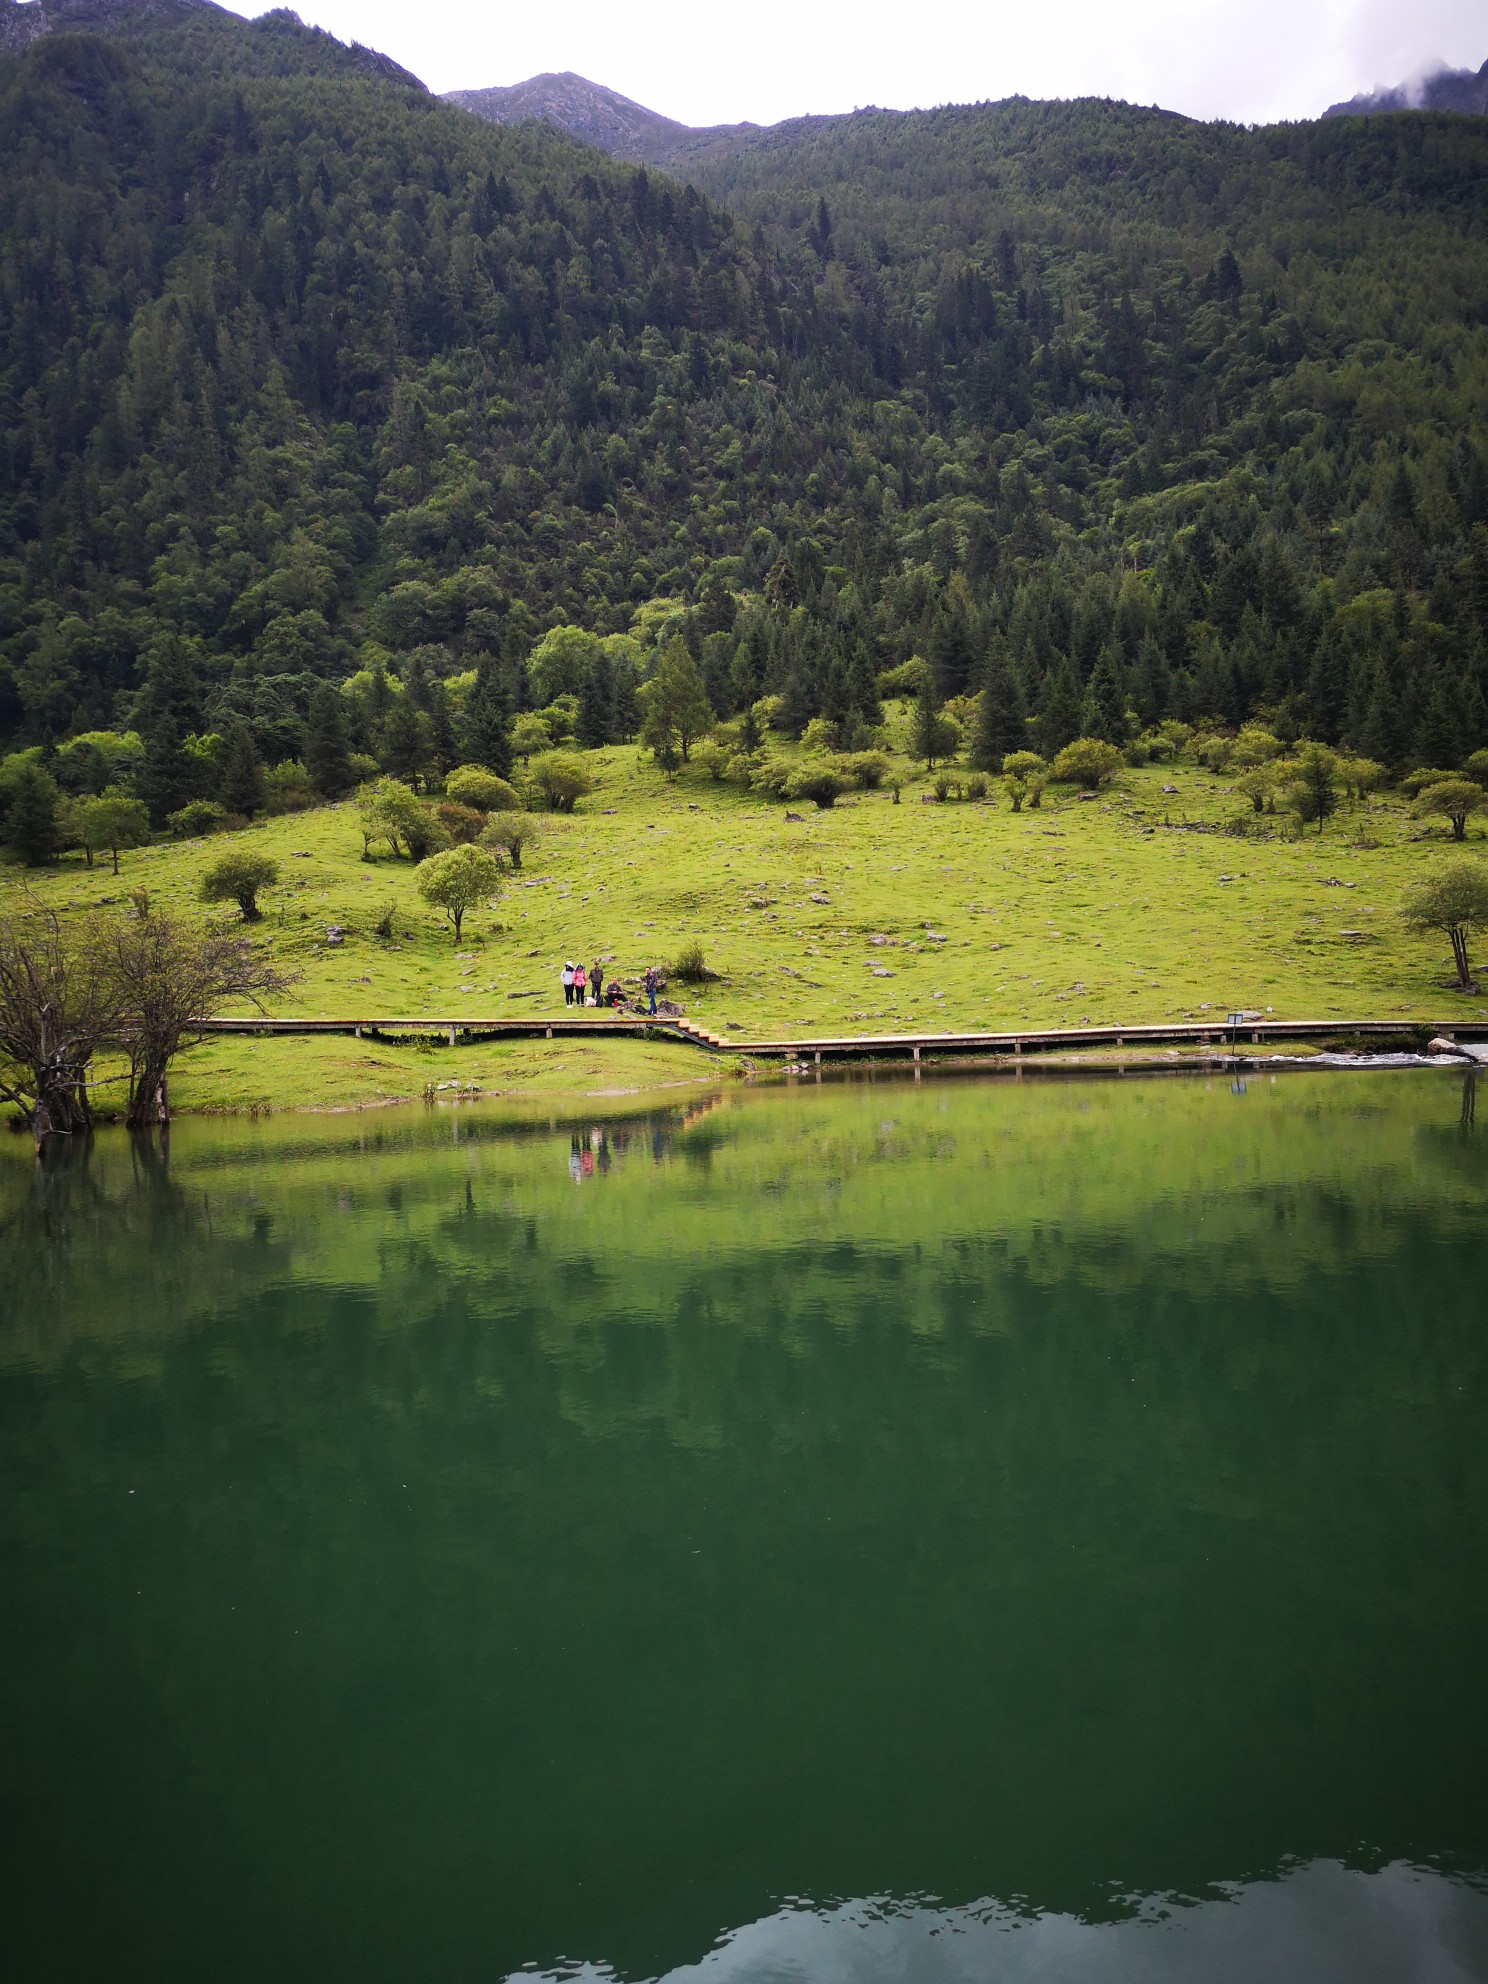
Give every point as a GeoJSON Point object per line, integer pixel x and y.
{"type": "Point", "coordinates": [580, 985]}
{"type": "Point", "coordinates": [596, 981]}
{"type": "Point", "coordinates": [567, 977]}
{"type": "Point", "coordinates": [649, 982]}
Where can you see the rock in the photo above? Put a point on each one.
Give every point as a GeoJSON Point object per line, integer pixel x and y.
{"type": "Point", "coordinates": [821, 899]}
{"type": "Point", "coordinates": [799, 818]}
{"type": "Point", "coordinates": [1440, 1044]}
{"type": "Point", "coordinates": [1170, 788]}
{"type": "Point", "coordinates": [669, 1009]}
{"type": "Point", "coordinates": [881, 971]}
{"type": "Point", "coordinates": [335, 934]}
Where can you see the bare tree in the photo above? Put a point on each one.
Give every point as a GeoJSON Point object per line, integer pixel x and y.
{"type": "Point", "coordinates": [172, 978]}
{"type": "Point", "coordinates": [59, 1001]}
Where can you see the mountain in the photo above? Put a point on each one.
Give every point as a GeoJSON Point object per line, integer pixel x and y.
{"type": "Point", "coordinates": [587, 111]}
{"type": "Point", "coordinates": [1446, 89]}
{"type": "Point", "coordinates": [200, 34]}
{"type": "Point", "coordinates": [309, 377]}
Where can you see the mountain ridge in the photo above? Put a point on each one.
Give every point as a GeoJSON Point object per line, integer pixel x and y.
{"type": "Point", "coordinates": [1463, 90]}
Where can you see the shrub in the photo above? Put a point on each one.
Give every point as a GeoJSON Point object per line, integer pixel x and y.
{"type": "Point", "coordinates": [562, 779]}
{"type": "Point", "coordinates": [197, 816]}
{"type": "Point", "coordinates": [1476, 767]}
{"type": "Point", "coordinates": [1213, 751]}
{"type": "Point", "coordinates": [473, 785]}
{"type": "Point", "coordinates": [457, 882]}
{"type": "Point", "coordinates": [1313, 791]}
{"type": "Point", "coordinates": [1258, 785]}
{"type": "Point", "coordinates": [867, 769]}
{"type": "Point", "coordinates": [1089, 763]}
{"type": "Point", "coordinates": [1017, 791]}
{"type": "Point", "coordinates": [1451, 799]}
{"type": "Point", "coordinates": [714, 757]}
{"type": "Point", "coordinates": [238, 877]}
{"type": "Point", "coordinates": [463, 824]}
{"type": "Point", "coordinates": [769, 712]}
{"type": "Point", "coordinates": [976, 786]}
{"type": "Point", "coordinates": [287, 788]}
{"type": "Point", "coordinates": [818, 781]}
{"type": "Point", "coordinates": [391, 811]}
{"type": "Point", "coordinates": [820, 734]}
{"type": "Point", "coordinates": [510, 834]}
{"type": "Point", "coordinates": [1453, 899]}
{"type": "Point", "coordinates": [692, 967]}
{"type": "Point", "coordinates": [942, 787]}
{"type": "Point", "coordinates": [905, 680]}
{"type": "Point", "coordinates": [529, 735]}
{"type": "Point", "coordinates": [1023, 765]}
{"type": "Point", "coordinates": [1256, 745]}
{"type": "Point", "coordinates": [1417, 781]}
{"type": "Point", "coordinates": [559, 718]}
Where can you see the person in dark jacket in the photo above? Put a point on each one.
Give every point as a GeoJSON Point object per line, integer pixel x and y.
{"type": "Point", "coordinates": [596, 981]}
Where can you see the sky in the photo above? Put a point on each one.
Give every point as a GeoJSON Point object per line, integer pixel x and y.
{"type": "Point", "coordinates": [1252, 61]}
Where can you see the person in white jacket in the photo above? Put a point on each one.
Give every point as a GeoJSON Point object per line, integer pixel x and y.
{"type": "Point", "coordinates": [566, 977]}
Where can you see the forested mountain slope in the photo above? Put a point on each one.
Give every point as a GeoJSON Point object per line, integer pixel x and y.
{"type": "Point", "coordinates": [1448, 89]}
{"type": "Point", "coordinates": [304, 373]}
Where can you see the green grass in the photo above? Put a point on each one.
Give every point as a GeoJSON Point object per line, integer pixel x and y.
{"type": "Point", "coordinates": [1099, 911]}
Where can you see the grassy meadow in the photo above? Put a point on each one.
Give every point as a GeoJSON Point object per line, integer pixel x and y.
{"type": "Point", "coordinates": [870, 917]}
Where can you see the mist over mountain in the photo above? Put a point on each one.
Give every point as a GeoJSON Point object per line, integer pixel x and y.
{"type": "Point", "coordinates": [1103, 415]}
{"type": "Point", "coordinates": [1443, 89]}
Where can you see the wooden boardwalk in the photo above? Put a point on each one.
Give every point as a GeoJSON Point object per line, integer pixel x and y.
{"type": "Point", "coordinates": [815, 1049]}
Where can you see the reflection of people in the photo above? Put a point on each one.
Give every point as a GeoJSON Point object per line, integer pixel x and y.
{"type": "Point", "coordinates": [575, 1159]}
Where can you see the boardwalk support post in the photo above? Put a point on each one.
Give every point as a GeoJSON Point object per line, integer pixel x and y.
{"type": "Point", "coordinates": [917, 1056]}
{"type": "Point", "coordinates": [549, 1034]}
{"type": "Point", "coordinates": [452, 1036]}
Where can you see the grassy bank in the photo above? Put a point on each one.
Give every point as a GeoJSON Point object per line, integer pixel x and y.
{"type": "Point", "coordinates": [871, 917]}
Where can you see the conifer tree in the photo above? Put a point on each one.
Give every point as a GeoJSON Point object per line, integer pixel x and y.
{"type": "Point", "coordinates": [488, 721]}
{"type": "Point", "coordinates": [327, 759]}
{"type": "Point", "coordinates": [242, 788]}
{"type": "Point", "coordinates": [1000, 715]}
{"type": "Point", "coordinates": [31, 826]}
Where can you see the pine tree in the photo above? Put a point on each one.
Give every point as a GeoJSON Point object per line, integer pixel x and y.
{"type": "Point", "coordinates": [1103, 712]}
{"type": "Point", "coordinates": [1060, 708]}
{"type": "Point", "coordinates": [242, 787]}
{"type": "Point", "coordinates": [1000, 716]}
{"type": "Point", "coordinates": [164, 779]}
{"type": "Point", "coordinates": [31, 830]}
{"type": "Point", "coordinates": [327, 759]}
{"type": "Point", "coordinates": [488, 722]}
{"type": "Point", "coordinates": [592, 728]}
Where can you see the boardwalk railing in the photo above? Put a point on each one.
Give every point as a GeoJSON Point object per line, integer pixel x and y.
{"type": "Point", "coordinates": [1216, 1034]}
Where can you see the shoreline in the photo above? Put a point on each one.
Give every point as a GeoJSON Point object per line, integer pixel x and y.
{"type": "Point", "coordinates": [238, 1086]}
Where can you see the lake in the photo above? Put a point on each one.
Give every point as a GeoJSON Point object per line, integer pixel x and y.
{"type": "Point", "coordinates": [947, 1530]}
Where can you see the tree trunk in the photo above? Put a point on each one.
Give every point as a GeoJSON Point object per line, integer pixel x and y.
{"type": "Point", "coordinates": [115, 852]}
{"type": "Point", "coordinates": [458, 916]}
{"type": "Point", "coordinates": [1459, 826]}
{"type": "Point", "coordinates": [149, 1094]}
{"type": "Point", "coordinates": [61, 1108]}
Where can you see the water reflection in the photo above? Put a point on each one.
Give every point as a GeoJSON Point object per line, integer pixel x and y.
{"type": "Point", "coordinates": [1070, 1497]}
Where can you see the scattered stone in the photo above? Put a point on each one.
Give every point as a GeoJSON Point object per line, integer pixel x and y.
{"type": "Point", "coordinates": [1170, 788]}
{"type": "Point", "coordinates": [335, 934]}
{"type": "Point", "coordinates": [881, 971]}
{"type": "Point", "coordinates": [821, 899]}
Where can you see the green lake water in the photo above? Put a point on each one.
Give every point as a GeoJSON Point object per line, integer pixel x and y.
{"type": "Point", "coordinates": [957, 1530]}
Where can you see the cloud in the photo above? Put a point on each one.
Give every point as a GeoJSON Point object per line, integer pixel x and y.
{"type": "Point", "coordinates": [1248, 60]}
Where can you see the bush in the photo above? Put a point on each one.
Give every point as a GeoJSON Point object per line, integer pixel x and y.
{"type": "Point", "coordinates": [238, 877]}
{"type": "Point", "coordinates": [391, 811]}
{"type": "Point", "coordinates": [820, 734]}
{"type": "Point", "coordinates": [769, 712]}
{"type": "Point", "coordinates": [942, 787]}
{"type": "Point", "coordinates": [197, 816]}
{"type": "Point", "coordinates": [562, 779]}
{"type": "Point", "coordinates": [905, 680]}
{"type": "Point", "coordinates": [1256, 746]}
{"type": "Point", "coordinates": [1089, 763]}
{"type": "Point", "coordinates": [1213, 751]}
{"type": "Point", "coordinates": [463, 824]}
{"type": "Point", "coordinates": [976, 786]}
{"type": "Point", "coordinates": [692, 967]}
{"type": "Point", "coordinates": [287, 788]}
{"type": "Point", "coordinates": [714, 757]}
{"type": "Point", "coordinates": [1476, 767]}
{"type": "Point", "coordinates": [1417, 781]}
{"type": "Point", "coordinates": [1025, 765]}
{"type": "Point", "coordinates": [510, 834]}
{"type": "Point", "coordinates": [473, 785]}
{"type": "Point", "coordinates": [1017, 791]}
{"type": "Point", "coordinates": [867, 769]}
{"type": "Point", "coordinates": [817, 781]}
{"type": "Point", "coordinates": [1451, 799]}
{"type": "Point", "coordinates": [1453, 899]}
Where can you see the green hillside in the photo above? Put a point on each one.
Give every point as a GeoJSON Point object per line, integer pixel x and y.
{"type": "Point", "coordinates": [341, 429]}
